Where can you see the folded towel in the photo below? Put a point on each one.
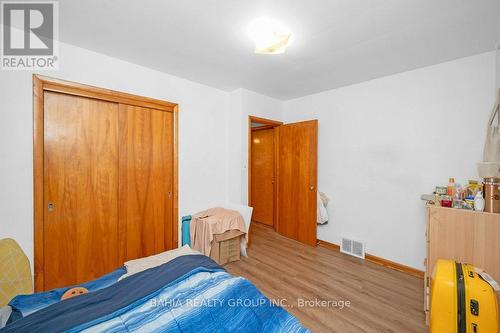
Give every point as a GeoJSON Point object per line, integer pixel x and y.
{"type": "Point", "coordinates": [186, 234]}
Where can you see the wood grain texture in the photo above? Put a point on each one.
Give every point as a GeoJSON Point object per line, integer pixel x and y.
{"type": "Point", "coordinates": [146, 182]}
{"type": "Point", "coordinates": [263, 168]}
{"type": "Point", "coordinates": [77, 89]}
{"type": "Point", "coordinates": [378, 260]}
{"type": "Point", "coordinates": [42, 85]}
{"type": "Point", "coordinates": [276, 176]}
{"type": "Point", "coordinates": [328, 245]}
{"type": "Point", "coordinates": [464, 236]}
{"type": "Point", "coordinates": [298, 181]}
{"type": "Point", "coordinates": [263, 127]}
{"type": "Point", "coordinates": [38, 187]}
{"type": "Point", "coordinates": [175, 175]}
{"type": "Point", "coordinates": [264, 121]}
{"type": "Point", "coordinates": [382, 299]}
{"type": "Point", "coordinates": [395, 265]}
{"type": "Point", "coordinates": [268, 122]}
{"type": "Point", "coordinates": [81, 180]}
{"type": "Point", "coordinates": [276, 124]}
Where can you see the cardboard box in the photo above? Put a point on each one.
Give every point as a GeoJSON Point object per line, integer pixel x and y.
{"type": "Point", "coordinates": [226, 247]}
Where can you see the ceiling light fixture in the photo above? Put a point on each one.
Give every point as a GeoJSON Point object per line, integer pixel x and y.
{"type": "Point", "coordinates": [270, 36]}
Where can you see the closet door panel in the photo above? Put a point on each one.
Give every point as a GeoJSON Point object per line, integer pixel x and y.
{"type": "Point", "coordinates": [146, 179]}
{"type": "Point", "coordinates": [80, 189]}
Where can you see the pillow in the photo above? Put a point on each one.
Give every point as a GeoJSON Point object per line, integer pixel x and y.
{"type": "Point", "coordinates": [138, 265]}
{"type": "Point", "coordinates": [15, 271]}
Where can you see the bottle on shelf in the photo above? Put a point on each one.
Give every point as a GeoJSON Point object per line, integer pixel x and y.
{"type": "Point", "coordinates": [457, 196]}
{"type": "Point", "coordinates": [451, 187]}
{"type": "Point", "coordinates": [479, 202]}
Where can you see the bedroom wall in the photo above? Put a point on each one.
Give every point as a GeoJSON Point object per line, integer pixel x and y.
{"type": "Point", "coordinates": [384, 142]}
{"type": "Point", "coordinates": [498, 68]}
{"type": "Point", "coordinates": [202, 141]}
{"type": "Point", "coordinates": [242, 104]}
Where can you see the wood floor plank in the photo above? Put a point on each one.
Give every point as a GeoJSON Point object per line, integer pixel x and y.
{"type": "Point", "coordinates": [382, 299]}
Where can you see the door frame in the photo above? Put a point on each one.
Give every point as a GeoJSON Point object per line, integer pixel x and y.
{"type": "Point", "coordinates": [268, 123]}
{"type": "Point", "coordinates": [42, 84]}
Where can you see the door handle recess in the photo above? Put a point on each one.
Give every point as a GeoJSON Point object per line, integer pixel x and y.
{"type": "Point", "coordinates": [51, 207]}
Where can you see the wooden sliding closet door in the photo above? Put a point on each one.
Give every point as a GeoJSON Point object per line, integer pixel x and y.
{"type": "Point", "coordinates": [105, 180]}
{"type": "Point", "coordinates": [297, 197]}
{"type": "Point", "coordinates": [146, 181]}
{"type": "Point", "coordinates": [80, 241]}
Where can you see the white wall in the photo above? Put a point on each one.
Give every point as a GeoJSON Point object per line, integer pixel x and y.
{"type": "Point", "coordinates": [244, 103]}
{"type": "Point", "coordinates": [498, 68]}
{"type": "Point", "coordinates": [202, 141]}
{"type": "Point", "coordinates": [384, 142]}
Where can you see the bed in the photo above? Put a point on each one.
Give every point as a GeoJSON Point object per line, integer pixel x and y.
{"type": "Point", "coordinates": [189, 293]}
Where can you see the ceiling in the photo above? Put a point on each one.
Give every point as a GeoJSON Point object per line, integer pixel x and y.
{"type": "Point", "coordinates": [336, 42]}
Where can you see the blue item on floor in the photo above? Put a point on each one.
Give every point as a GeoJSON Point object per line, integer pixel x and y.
{"type": "Point", "coordinates": [186, 234]}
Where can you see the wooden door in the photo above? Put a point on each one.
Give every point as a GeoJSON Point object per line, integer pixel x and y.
{"type": "Point", "coordinates": [146, 182]}
{"type": "Point", "coordinates": [262, 178]}
{"type": "Point", "coordinates": [297, 198]}
{"type": "Point", "coordinates": [80, 189]}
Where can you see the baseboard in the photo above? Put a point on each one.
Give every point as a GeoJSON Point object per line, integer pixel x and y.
{"type": "Point", "coordinates": [328, 245]}
{"type": "Point", "coordinates": [377, 260]}
{"type": "Point", "coordinates": [394, 265]}
{"type": "Point", "coordinates": [263, 224]}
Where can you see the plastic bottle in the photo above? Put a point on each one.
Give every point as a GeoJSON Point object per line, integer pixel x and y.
{"type": "Point", "coordinates": [479, 202]}
{"type": "Point", "coordinates": [451, 187]}
{"type": "Point", "coordinates": [457, 196]}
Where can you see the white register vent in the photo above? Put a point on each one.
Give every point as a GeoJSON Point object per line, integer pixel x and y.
{"type": "Point", "coordinates": [353, 248]}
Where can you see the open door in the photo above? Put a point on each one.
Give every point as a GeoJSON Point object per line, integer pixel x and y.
{"type": "Point", "coordinates": [297, 181]}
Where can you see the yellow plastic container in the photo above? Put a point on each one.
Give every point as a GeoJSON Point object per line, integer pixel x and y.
{"type": "Point", "coordinates": [461, 301]}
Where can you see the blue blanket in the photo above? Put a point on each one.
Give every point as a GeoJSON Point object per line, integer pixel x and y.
{"type": "Point", "coordinates": [23, 305]}
{"type": "Point", "coordinates": [188, 294]}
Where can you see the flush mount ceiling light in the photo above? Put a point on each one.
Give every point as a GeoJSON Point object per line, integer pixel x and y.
{"type": "Point", "coordinates": [270, 36]}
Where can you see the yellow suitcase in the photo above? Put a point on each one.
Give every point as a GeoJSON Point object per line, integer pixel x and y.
{"type": "Point", "coordinates": [461, 301]}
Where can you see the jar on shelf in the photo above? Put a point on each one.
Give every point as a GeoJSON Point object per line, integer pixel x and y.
{"type": "Point", "coordinates": [492, 195]}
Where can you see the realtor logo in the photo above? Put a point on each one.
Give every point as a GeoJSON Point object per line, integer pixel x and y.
{"type": "Point", "coordinates": [29, 35]}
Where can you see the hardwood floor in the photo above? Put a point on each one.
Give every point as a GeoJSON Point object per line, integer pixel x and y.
{"type": "Point", "coordinates": [381, 299]}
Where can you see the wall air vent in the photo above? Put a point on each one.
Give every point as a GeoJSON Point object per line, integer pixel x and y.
{"type": "Point", "coordinates": [353, 248]}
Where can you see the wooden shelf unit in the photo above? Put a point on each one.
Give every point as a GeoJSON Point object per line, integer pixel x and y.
{"type": "Point", "coordinates": [464, 236]}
